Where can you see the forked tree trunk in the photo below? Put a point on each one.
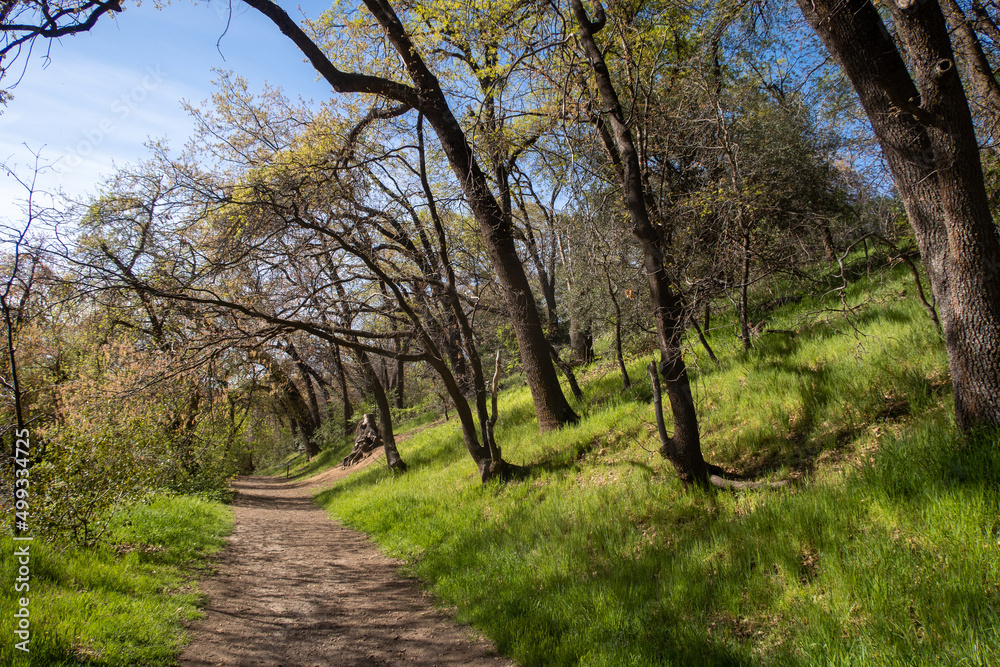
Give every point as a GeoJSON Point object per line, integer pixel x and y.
{"type": "Point", "coordinates": [551, 405]}
{"type": "Point", "coordinates": [923, 123]}
{"type": "Point", "coordinates": [683, 449]}
{"type": "Point", "coordinates": [626, 381]}
{"type": "Point", "coordinates": [488, 466]}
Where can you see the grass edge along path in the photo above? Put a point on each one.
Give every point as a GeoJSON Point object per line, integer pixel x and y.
{"type": "Point", "coordinates": [125, 603]}
{"type": "Point", "coordinates": [888, 553]}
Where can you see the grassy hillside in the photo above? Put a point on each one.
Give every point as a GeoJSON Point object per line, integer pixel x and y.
{"type": "Point", "coordinates": [886, 551]}
{"type": "Point", "coordinates": [115, 605]}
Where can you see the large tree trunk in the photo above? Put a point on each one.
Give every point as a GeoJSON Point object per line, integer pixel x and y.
{"type": "Point", "coordinates": [974, 65]}
{"type": "Point", "coordinates": [550, 404]}
{"type": "Point", "coordinates": [925, 129]}
{"type": "Point", "coordinates": [684, 448]}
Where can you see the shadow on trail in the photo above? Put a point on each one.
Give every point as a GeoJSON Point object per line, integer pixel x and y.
{"type": "Point", "coordinates": [295, 588]}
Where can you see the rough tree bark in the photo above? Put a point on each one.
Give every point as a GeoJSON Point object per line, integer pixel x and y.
{"type": "Point", "coordinates": [683, 449]}
{"type": "Point", "coordinates": [921, 118]}
{"type": "Point", "coordinates": [974, 65]}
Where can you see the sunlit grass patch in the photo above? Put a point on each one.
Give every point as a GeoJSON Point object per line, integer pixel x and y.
{"type": "Point", "coordinates": [124, 603]}
{"type": "Point", "coordinates": [885, 552]}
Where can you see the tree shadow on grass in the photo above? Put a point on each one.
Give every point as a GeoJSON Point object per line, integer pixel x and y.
{"type": "Point", "coordinates": [657, 606]}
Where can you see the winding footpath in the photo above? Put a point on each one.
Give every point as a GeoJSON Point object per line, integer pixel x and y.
{"type": "Point", "coordinates": [295, 588]}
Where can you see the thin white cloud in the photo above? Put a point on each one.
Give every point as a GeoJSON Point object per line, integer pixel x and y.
{"type": "Point", "coordinates": [105, 94]}
{"type": "Point", "coordinates": [87, 116]}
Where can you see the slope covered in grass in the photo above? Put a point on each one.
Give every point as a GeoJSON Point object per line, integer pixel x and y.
{"type": "Point", "coordinates": [122, 605]}
{"type": "Point", "coordinates": [885, 552]}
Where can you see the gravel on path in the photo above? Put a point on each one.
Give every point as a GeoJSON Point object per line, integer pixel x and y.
{"type": "Point", "coordinates": [295, 588]}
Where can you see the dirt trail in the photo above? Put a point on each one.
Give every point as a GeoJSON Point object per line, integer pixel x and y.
{"type": "Point", "coordinates": [295, 588]}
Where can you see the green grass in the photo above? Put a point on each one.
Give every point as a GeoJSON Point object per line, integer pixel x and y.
{"type": "Point", "coordinates": [296, 466]}
{"type": "Point", "coordinates": [887, 551]}
{"type": "Point", "coordinates": [116, 605]}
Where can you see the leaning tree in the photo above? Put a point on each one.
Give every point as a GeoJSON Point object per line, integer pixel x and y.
{"type": "Point", "coordinates": [911, 90]}
{"type": "Point", "coordinates": [404, 81]}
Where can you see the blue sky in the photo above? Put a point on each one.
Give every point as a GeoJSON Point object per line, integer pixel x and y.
{"type": "Point", "coordinates": [100, 96]}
